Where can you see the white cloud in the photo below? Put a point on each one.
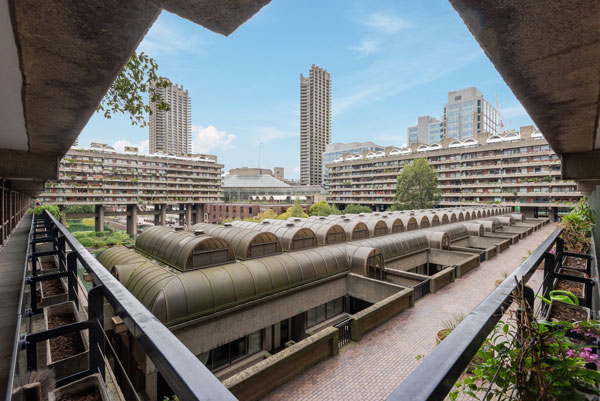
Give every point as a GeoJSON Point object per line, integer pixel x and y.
{"type": "Point", "coordinates": [165, 38]}
{"type": "Point", "coordinates": [387, 23]}
{"type": "Point", "coordinates": [210, 139]}
{"type": "Point", "coordinates": [366, 47]}
{"type": "Point", "coordinates": [269, 133]}
{"type": "Point", "coordinates": [143, 146]}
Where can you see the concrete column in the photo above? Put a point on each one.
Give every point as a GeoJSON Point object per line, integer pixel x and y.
{"type": "Point", "coordinates": [132, 221]}
{"type": "Point", "coordinates": [181, 214]}
{"type": "Point", "coordinates": [199, 213]}
{"type": "Point", "coordinates": [63, 215]}
{"type": "Point", "coordinates": [188, 214]}
{"type": "Point", "coordinates": [163, 215]}
{"type": "Point", "coordinates": [99, 218]}
{"type": "Point", "coordinates": [157, 221]}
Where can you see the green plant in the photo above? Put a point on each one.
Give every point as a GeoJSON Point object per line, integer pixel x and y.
{"type": "Point", "coordinates": [450, 324]}
{"type": "Point", "coordinates": [417, 186]}
{"type": "Point", "coordinates": [52, 209]}
{"type": "Point", "coordinates": [577, 228]}
{"type": "Point", "coordinates": [323, 209]}
{"type": "Point", "coordinates": [356, 209]}
{"type": "Point", "coordinates": [525, 359]}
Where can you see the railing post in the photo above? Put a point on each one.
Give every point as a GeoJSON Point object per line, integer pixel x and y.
{"type": "Point", "coordinates": [61, 247]}
{"type": "Point", "coordinates": [73, 287]}
{"type": "Point", "coordinates": [547, 284]}
{"type": "Point", "coordinates": [560, 248]}
{"type": "Point", "coordinates": [96, 317]}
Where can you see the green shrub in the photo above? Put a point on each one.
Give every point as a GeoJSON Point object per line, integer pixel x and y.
{"type": "Point", "coordinates": [53, 209]}
{"type": "Point", "coordinates": [356, 209]}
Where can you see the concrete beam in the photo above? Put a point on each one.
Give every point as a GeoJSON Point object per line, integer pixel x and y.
{"type": "Point", "coordinates": [587, 187]}
{"type": "Point", "coordinates": [583, 166]}
{"type": "Point", "coordinates": [18, 164]}
{"type": "Point", "coordinates": [28, 187]}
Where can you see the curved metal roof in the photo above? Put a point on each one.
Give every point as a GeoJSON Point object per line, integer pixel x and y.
{"type": "Point", "coordinates": [475, 229]}
{"type": "Point", "coordinates": [183, 250]}
{"type": "Point", "coordinates": [455, 231]}
{"type": "Point", "coordinates": [506, 220]}
{"type": "Point", "coordinates": [517, 216]}
{"type": "Point", "coordinates": [442, 217]}
{"type": "Point", "coordinates": [355, 229]}
{"type": "Point", "coordinates": [365, 260]}
{"type": "Point", "coordinates": [437, 239]}
{"type": "Point", "coordinates": [175, 297]}
{"type": "Point", "coordinates": [328, 232]}
{"type": "Point", "coordinates": [460, 216]}
{"type": "Point", "coordinates": [490, 224]}
{"type": "Point", "coordinates": [410, 222]}
{"type": "Point", "coordinates": [422, 220]}
{"type": "Point", "coordinates": [119, 254]}
{"type": "Point", "coordinates": [394, 246]}
{"type": "Point", "coordinates": [396, 224]}
{"type": "Point", "coordinates": [246, 244]}
{"type": "Point", "coordinates": [292, 237]}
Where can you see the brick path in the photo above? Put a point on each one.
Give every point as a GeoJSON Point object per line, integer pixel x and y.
{"type": "Point", "coordinates": [372, 368]}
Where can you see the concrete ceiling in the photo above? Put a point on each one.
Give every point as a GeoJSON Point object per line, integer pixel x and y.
{"type": "Point", "coordinates": [69, 52]}
{"type": "Point", "coordinates": [548, 52]}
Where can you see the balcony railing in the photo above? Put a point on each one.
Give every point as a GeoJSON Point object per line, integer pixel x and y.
{"type": "Point", "coordinates": [435, 376]}
{"type": "Point", "coordinates": [183, 372]}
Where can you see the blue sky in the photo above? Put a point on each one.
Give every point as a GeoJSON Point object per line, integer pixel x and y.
{"type": "Point", "coordinates": [389, 61]}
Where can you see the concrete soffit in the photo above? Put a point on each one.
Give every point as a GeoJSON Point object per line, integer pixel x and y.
{"type": "Point", "coordinates": [69, 53]}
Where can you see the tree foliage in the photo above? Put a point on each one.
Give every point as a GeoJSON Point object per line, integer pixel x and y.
{"type": "Point", "coordinates": [416, 187]}
{"type": "Point", "coordinates": [356, 209]}
{"type": "Point", "coordinates": [126, 94]}
{"type": "Point", "coordinates": [53, 209]}
{"type": "Point", "coordinates": [322, 208]}
{"type": "Point", "coordinates": [267, 214]}
{"type": "Point", "coordinates": [79, 209]}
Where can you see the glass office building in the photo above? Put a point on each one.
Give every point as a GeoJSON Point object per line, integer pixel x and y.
{"type": "Point", "coordinates": [468, 114]}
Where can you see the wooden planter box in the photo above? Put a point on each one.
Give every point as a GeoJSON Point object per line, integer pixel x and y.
{"type": "Point", "coordinates": [71, 364]}
{"type": "Point", "coordinates": [47, 300]}
{"type": "Point", "coordinates": [79, 388]}
{"type": "Point", "coordinates": [576, 288]}
{"type": "Point", "coordinates": [554, 305]}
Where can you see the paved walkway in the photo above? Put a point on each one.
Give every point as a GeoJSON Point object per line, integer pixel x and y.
{"type": "Point", "coordinates": [372, 368]}
{"type": "Point", "coordinates": [12, 259]}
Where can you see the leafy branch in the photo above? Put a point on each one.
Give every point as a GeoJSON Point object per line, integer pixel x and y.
{"type": "Point", "coordinates": [126, 94]}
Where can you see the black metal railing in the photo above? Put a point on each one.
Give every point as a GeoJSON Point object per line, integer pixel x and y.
{"type": "Point", "coordinates": [345, 332]}
{"type": "Point", "coordinates": [183, 372]}
{"type": "Point", "coordinates": [435, 376]}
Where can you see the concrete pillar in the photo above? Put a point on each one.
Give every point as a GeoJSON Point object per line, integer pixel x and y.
{"type": "Point", "coordinates": [163, 215]}
{"type": "Point", "coordinates": [132, 221]}
{"type": "Point", "coordinates": [181, 214]}
{"type": "Point", "coordinates": [99, 218]}
{"type": "Point", "coordinates": [188, 214]}
{"type": "Point", "coordinates": [199, 212]}
{"type": "Point", "coordinates": [157, 221]}
{"type": "Point", "coordinates": [63, 215]}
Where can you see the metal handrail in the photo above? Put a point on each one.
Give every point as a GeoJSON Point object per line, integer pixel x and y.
{"type": "Point", "coordinates": [184, 373]}
{"type": "Point", "coordinates": [435, 376]}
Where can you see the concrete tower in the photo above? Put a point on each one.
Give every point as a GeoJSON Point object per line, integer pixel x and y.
{"type": "Point", "coordinates": [315, 123]}
{"type": "Point", "coordinates": [171, 131]}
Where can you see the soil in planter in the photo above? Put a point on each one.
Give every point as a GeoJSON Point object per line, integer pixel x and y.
{"type": "Point", "coordinates": [572, 286]}
{"type": "Point", "coordinates": [48, 265]}
{"type": "Point", "coordinates": [66, 345]}
{"type": "Point", "coordinates": [52, 287]}
{"type": "Point", "coordinates": [90, 395]}
{"type": "Point", "coordinates": [575, 263]}
{"type": "Point", "coordinates": [564, 313]}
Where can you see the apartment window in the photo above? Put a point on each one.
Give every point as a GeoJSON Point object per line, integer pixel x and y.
{"type": "Point", "coordinates": [323, 312]}
{"type": "Point", "coordinates": [230, 353]}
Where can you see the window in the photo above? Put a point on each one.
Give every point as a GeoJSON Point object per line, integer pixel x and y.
{"type": "Point", "coordinates": [323, 312]}
{"type": "Point", "coordinates": [230, 353]}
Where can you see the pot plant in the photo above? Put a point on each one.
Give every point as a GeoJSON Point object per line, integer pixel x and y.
{"type": "Point", "coordinates": [528, 360]}
{"type": "Point", "coordinates": [504, 277]}
{"type": "Point", "coordinates": [448, 326]}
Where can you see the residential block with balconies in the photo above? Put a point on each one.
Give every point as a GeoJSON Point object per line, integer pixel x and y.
{"type": "Point", "coordinates": [515, 169]}
{"type": "Point", "coordinates": [102, 175]}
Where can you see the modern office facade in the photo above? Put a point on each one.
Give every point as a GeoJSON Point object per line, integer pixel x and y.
{"type": "Point", "coordinates": [467, 114]}
{"type": "Point", "coordinates": [428, 130]}
{"type": "Point", "coordinates": [171, 131]}
{"type": "Point", "coordinates": [315, 123]}
{"type": "Point", "coordinates": [517, 169]}
{"type": "Point", "coordinates": [101, 175]}
{"type": "Point", "coordinates": [336, 150]}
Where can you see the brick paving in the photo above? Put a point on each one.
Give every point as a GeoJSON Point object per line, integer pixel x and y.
{"type": "Point", "coordinates": [373, 367]}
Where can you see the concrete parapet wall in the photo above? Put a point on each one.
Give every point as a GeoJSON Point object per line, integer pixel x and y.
{"type": "Point", "coordinates": [258, 380]}
{"type": "Point", "coordinates": [367, 319]}
{"type": "Point", "coordinates": [462, 261]}
{"type": "Point", "coordinates": [369, 289]}
{"type": "Point", "coordinates": [441, 279]}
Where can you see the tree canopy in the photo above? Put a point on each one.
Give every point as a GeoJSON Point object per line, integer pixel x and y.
{"type": "Point", "coordinates": [322, 208]}
{"type": "Point", "coordinates": [126, 94]}
{"type": "Point", "coordinates": [295, 211]}
{"type": "Point", "coordinates": [356, 209]}
{"type": "Point", "coordinates": [417, 186]}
